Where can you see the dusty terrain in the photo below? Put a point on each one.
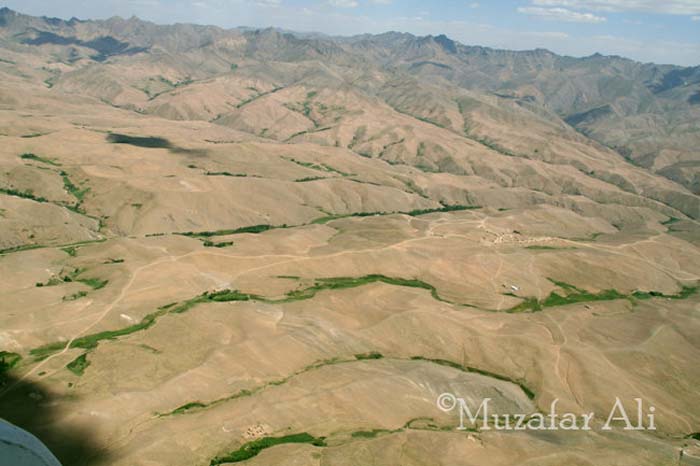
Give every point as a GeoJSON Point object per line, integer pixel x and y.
{"type": "Point", "coordinates": [221, 238]}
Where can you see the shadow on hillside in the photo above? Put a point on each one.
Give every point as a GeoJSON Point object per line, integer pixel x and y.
{"type": "Point", "coordinates": [150, 142]}
{"type": "Point", "coordinates": [36, 409]}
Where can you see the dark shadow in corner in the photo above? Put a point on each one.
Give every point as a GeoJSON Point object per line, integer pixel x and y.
{"type": "Point", "coordinates": [151, 142]}
{"type": "Point", "coordinates": [34, 408]}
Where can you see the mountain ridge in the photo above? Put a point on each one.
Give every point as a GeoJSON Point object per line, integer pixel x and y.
{"type": "Point", "coordinates": [452, 44]}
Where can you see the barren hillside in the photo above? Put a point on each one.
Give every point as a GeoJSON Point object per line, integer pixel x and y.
{"type": "Point", "coordinates": [217, 242]}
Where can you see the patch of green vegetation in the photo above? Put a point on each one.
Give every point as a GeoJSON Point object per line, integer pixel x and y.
{"type": "Point", "coordinates": [338, 283]}
{"type": "Point", "coordinates": [372, 433]}
{"type": "Point", "coordinates": [249, 229]}
{"type": "Point", "coordinates": [228, 295]}
{"type": "Point", "coordinates": [694, 435]}
{"type": "Point", "coordinates": [493, 145]}
{"type": "Point", "coordinates": [78, 365]}
{"type": "Point", "coordinates": [71, 188]}
{"type": "Point", "coordinates": [529, 304]}
{"type": "Point", "coordinates": [318, 167]}
{"type": "Point", "coordinates": [197, 405]}
{"type": "Point", "coordinates": [149, 348]}
{"type": "Point", "coordinates": [94, 283]}
{"type": "Point", "coordinates": [25, 247]}
{"type": "Point", "coordinates": [36, 158]}
{"type": "Point", "coordinates": [370, 355]}
{"type": "Point", "coordinates": [257, 96]}
{"type": "Point", "coordinates": [238, 175]}
{"type": "Point", "coordinates": [328, 218]}
{"type": "Point", "coordinates": [83, 243]}
{"type": "Point", "coordinates": [426, 167]}
{"type": "Point", "coordinates": [306, 106]}
{"type": "Point", "coordinates": [410, 422]}
{"type": "Point", "coordinates": [593, 237]}
{"type": "Point", "coordinates": [234, 66]}
{"type": "Point", "coordinates": [300, 133]}
{"type": "Point", "coordinates": [319, 221]}
{"type": "Point", "coordinates": [388, 146]}
{"type": "Point", "coordinates": [555, 299]}
{"type": "Point", "coordinates": [23, 194]}
{"type": "Point", "coordinates": [72, 275]}
{"type": "Point", "coordinates": [75, 208]}
{"type": "Point", "coordinates": [256, 229]}
{"type": "Point", "coordinates": [429, 120]}
{"type": "Point", "coordinates": [91, 341]}
{"type": "Point", "coordinates": [8, 361]}
{"type": "Point", "coordinates": [428, 423]}
{"type": "Point", "coordinates": [176, 84]}
{"type": "Point", "coordinates": [538, 247]}
{"type": "Point", "coordinates": [444, 208]}
{"type": "Point", "coordinates": [167, 306]}
{"type": "Point", "coordinates": [412, 213]}
{"type": "Point", "coordinates": [360, 133]}
{"type": "Point", "coordinates": [414, 188]}
{"type": "Point", "coordinates": [214, 296]}
{"type": "Point", "coordinates": [671, 221]}
{"type": "Point", "coordinates": [685, 293]}
{"type": "Point", "coordinates": [642, 295]}
{"type": "Point", "coordinates": [186, 305]}
{"type": "Point", "coordinates": [571, 294]}
{"type": "Point", "coordinates": [289, 277]}
{"type": "Point", "coordinates": [53, 281]}
{"type": "Point", "coordinates": [72, 248]}
{"type": "Point", "coordinates": [441, 362]}
{"type": "Point", "coordinates": [251, 449]}
{"type": "Point", "coordinates": [564, 285]}
{"type": "Point", "coordinates": [222, 244]}
{"type": "Point", "coordinates": [421, 118]}
{"type": "Point", "coordinates": [309, 178]}
{"type": "Point", "coordinates": [444, 362]}
{"type": "Point", "coordinates": [113, 261]}
{"type": "Point", "coordinates": [75, 296]}
{"type": "Point", "coordinates": [188, 406]}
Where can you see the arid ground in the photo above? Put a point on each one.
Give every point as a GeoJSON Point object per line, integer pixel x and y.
{"type": "Point", "coordinates": [227, 246]}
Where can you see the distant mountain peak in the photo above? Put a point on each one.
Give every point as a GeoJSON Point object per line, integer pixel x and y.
{"type": "Point", "coordinates": [446, 43]}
